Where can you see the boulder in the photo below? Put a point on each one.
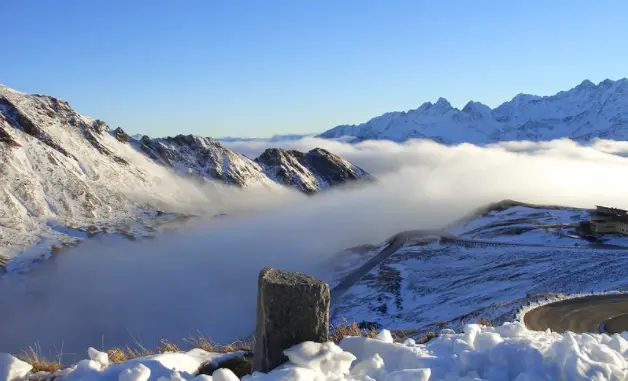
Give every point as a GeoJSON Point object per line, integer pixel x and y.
{"type": "Point", "coordinates": [292, 308]}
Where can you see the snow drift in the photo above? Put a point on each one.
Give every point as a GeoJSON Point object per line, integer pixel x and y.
{"type": "Point", "coordinates": [508, 352]}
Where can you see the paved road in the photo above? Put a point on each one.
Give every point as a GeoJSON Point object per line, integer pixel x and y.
{"type": "Point", "coordinates": [601, 313]}
{"type": "Point", "coordinates": [475, 242]}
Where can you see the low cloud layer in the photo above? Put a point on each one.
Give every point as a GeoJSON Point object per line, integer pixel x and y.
{"type": "Point", "coordinates": [203, 278]}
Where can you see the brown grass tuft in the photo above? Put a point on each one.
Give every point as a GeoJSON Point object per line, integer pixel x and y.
{"type": "Point", "coordinates": [34, 357]}
{"type": "Point", "coordinates": [4, 260]}
{"type": "Point", "coordinates": [117, 355]}
{"type": "Point", "coordinates": [238, 345]}
{"type": "Point", "coordinates": [427, 337]}
{"type": "Point", "coordinates": [208, 345]}
{"type": "Point", "coordinates": [166, 346]}
{"type": "Point", "coordinates": [201, 342]}
{"type": "Point", "coordinates": [127, 353]}
{"type": "Point", "coordinates": [485, 322]}
{"type": "Point", "coordinates": [340, 332]}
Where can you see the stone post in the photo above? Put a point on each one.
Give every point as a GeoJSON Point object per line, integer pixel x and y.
{"type": "Point", "coordinates": [292, 308]}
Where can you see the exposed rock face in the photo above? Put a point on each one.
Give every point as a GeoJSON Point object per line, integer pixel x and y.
{"type": "Point", "coordinates": [58, 165]}
{"type": "Point", "coordinates": [122, 136]}
{"type": "Point", "coordinates": [292, 308]}
{"type": "Point", "coordinates": [52, 122]}
{"type": "Point", "coordinates": [312, 171]}
{"type": "Point", "coordinates": [203, 157]}
{"type": "Point", "coordinates": [18, 119]}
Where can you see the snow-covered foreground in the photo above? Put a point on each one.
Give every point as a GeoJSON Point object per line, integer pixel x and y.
{"type": "Point", "coordinates": [507, 352]}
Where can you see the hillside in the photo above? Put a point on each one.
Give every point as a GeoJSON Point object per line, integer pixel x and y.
{"type": "Point", "coordinates": [583, 113]}
{"type": "Point", "coordinates": [65, 177]}
{"type": "Point", "coordinates": [500, 261]}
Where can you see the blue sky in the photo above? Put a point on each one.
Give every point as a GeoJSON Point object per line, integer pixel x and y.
{"type": "Point", "coordinates": [256, 68]}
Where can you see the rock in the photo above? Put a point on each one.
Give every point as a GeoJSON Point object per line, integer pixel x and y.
{"type": "Point", "coordinates": [292, 308]}
{"type": "Point", "coordinates": [310, 172]}
{"type": "Point", "coordinates": [122, 136]}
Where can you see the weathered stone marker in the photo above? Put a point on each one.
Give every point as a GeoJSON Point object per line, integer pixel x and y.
{"type": "Point", "coordinates": [292, 308]}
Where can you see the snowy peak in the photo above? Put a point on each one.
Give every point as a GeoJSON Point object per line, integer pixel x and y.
{"type": "Point", "coordinates": [586, 84]}
{"type": "Point", "coordinates": [583, 113]}
{"type": "Point", "coordinates": [52, 122]}
{"type": "Point", "coordinates": [202, 157]}
{"type": "Point", "coordinates": [65, 177]}
{"type": "Point", "coordinates": [443, 104]}
{"type": "Point", "coordinates": [477, 110]}
{"type": "Point", "coordinates": [312, 171]}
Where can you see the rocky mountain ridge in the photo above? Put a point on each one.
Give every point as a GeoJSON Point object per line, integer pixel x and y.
{"type": "Point", "coordinates": [187, 155]}
{"type": "Point", "coordinates": [310, 172]}
{"type": "Point", "coordinates": [583, 113]}
{"type": "Point", "coordinates": [64, 175]}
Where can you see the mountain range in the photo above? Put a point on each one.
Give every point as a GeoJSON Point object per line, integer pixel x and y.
{"type": "Point", "coordinates": [63, 174]}
{"type": "Point", "coordinates": [586, 112]}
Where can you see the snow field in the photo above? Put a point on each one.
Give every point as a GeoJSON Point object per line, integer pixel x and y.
{"type": "Point", "coordinates": [507, 352]}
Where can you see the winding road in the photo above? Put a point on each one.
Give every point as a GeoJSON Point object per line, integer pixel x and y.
{"type": "Point", "coordinates": [596, 313]}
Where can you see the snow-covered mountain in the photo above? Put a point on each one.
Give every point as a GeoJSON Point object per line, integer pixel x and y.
{"type": "Point", "coordinates": [583, 113]}
{"type": "Point", "coordinates": [318, 169]}
{"type": "Point", "coordinates": [64, 175]}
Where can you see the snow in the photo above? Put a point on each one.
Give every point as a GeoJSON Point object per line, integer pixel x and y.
{"type": "Point", "coordinates": [72, 174]}
{"type": "Point", "coordinates": [506, 261]}
{"type": "Point", "coordinates": [224, 375]}
{"type": "Point", "coordinates": [138, 373]}
{"type": "Point", "coordinates": [506, 352]}
{"type": "Point", "coordinates": [583, 113]}
{"type": "Point", "coordinates": [163, 367]}
{"type": "Point", "coordinates": [11, 368]}
{"type": "Point", "coordinates": [99, 357]}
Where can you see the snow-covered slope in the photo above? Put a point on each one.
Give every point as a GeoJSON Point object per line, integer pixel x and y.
{"type": "Point", "coordinates": [312, 171]}
{"type": "Point", "coordinates": [585, 112]}
{"type": "Point", "coordinates": [202, 157]}
{"type": "Point", "coordinates": [431, 285]}
{"type": "Point", "coordinates": [64, 176]}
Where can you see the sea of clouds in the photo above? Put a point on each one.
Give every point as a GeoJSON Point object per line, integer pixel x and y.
{"type": "Point", "coordinates": [202, 279]}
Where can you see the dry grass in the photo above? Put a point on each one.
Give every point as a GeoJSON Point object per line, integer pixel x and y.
{"type": "Point", "coordinates": [485, 322]}
{"type": "Point", "coordinates": [166, 346]}
{"type": "Point", "coordinates": [40, 363]}
{"type": "Point", "coordinates": [340, 332]}
{"type": "Point", "coordinates": [119, 354]}
{"type": "Point", "coordinates": [427, 337]}
{"type": "Point", "coordinates": [208, 345]}
{"type": "Point", "coordinates": [4, 260]}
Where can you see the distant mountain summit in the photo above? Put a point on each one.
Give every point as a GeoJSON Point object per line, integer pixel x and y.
{"type": "Point", "coordinates": [583, 113]}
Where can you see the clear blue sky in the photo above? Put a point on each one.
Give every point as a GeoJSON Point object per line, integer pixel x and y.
{"type": "Point", "coordinates": [256, 68]}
